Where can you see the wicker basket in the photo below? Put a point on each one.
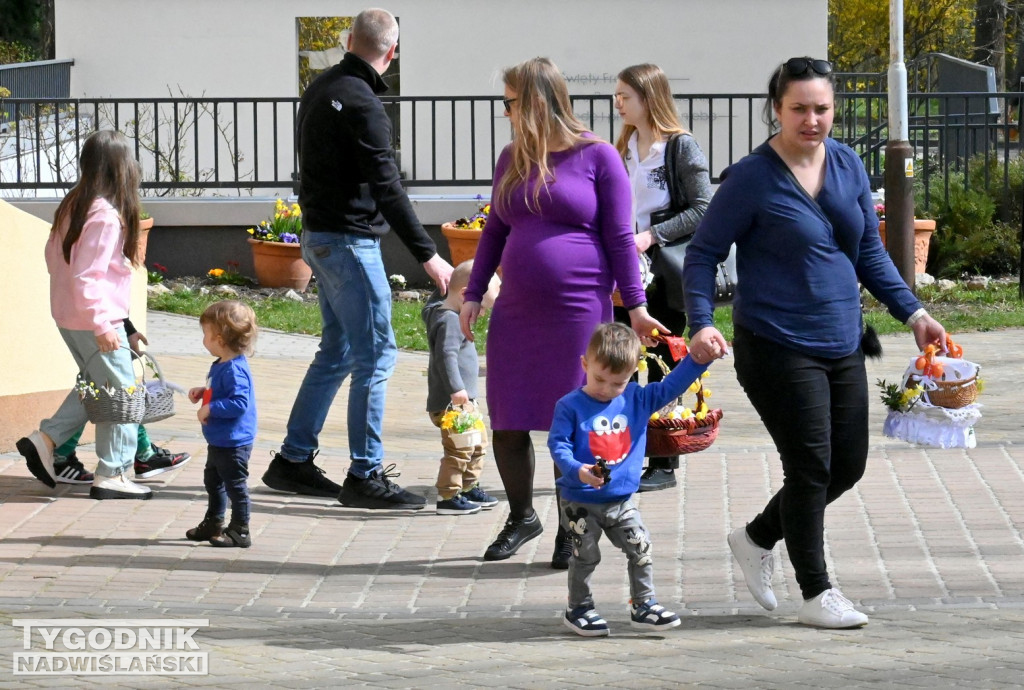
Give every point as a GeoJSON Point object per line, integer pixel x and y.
{"type": "Point", "coordinates": [957, 386]}
{"type": "Point", "coordinates": [683, 437]}
{"type": "Point", "coordinates": [667, 437]}
{"type": "Point", "coordinates": [145, 403]}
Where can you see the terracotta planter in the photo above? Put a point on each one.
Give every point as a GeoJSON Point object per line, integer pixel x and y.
{"type": "Point", "coordinates": [462, 242]}
{"type": "Point", "coordinates": [280, 264]}
{"type": "Point", "coordinates": [923, 230]}
{"type": "Point", "coordinates": [145, 225]}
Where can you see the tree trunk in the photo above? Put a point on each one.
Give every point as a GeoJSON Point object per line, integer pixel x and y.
{"type": "Point", "coordinates": [990, 37]}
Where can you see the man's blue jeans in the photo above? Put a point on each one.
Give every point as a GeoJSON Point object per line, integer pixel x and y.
{"type": "Point", "coordinates": [355, 304]}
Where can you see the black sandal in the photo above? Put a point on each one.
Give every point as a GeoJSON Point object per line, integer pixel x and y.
{"type": "Point", "coordinates": [234, 535]}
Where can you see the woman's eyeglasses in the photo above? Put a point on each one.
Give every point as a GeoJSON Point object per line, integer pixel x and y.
{"type": "Point", "coordinates": [507, 102]}
{"type": "Point", "coordinates": [798, 67]}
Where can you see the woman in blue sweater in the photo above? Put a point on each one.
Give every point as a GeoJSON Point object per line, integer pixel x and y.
{"type": "Point", "coordinates": [800, 212]}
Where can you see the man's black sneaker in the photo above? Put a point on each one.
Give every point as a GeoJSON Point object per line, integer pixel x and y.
{"type": "Point", "coordinates": [514, 534]}
{"type": "Point", "coordinates": [162, 460]}
{"type": "Point", "coordinates": [299, 477]}
{"type": "Point", "coordinates": [71, 471]}
{"type": "Point", "coordinates": [656, 479]}
{"type": "Point", "coordinates": [378, 492]}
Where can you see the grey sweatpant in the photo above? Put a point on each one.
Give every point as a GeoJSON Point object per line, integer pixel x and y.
{"type": "Point", "coordinates": [624, 526]}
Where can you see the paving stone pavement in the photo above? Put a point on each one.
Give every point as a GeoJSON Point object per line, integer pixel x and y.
{"type": "Point", "coordinates": [929, 544]}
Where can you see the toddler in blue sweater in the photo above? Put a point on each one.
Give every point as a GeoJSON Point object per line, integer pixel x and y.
{"type": "Point", "coordinates": [228, 416]}
{"type": "Point", "coordinates": [598, 437]}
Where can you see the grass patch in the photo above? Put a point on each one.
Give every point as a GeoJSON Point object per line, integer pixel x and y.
{"type": "Point", "coordinates": [304, 317]}
{"type": "Point", "coordinates": [960, 310]}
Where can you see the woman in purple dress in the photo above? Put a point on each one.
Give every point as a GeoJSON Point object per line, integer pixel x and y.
{"type": "Point", "coordinates": [561, 229]}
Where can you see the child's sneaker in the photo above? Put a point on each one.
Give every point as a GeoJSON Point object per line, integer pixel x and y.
{"type": "Point", "coordinates": [650, 615]}
{"type": "Point", "coordinates": [480, 497]}
{"type": "Point", "coordinates": [584, 620]}
{"type": "Point", "coordinates": [456, 505]}
{"type": "Point", "coordinates": [70, 470]}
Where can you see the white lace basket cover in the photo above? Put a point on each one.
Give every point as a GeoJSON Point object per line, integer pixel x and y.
{"type": "Point", "coordinates": [930, 425]}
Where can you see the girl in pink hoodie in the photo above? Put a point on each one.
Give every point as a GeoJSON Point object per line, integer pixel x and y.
{"type": "Point", "coordinates": [90, 254]}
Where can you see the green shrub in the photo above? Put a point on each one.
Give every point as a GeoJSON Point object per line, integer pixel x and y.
{"type": "Point", "coordinates": [977, 228]}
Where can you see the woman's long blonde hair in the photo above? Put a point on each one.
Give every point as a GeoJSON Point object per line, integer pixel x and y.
{"type": "Point", "coordinates": [652, 86]}
{"type": "Point", "coordinates": [545, 115]}
{"type": "Point", "coordinates": [107, 168]}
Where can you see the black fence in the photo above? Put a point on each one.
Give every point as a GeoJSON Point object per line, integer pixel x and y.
{"type": "Point", "coordinates": [242, 147]}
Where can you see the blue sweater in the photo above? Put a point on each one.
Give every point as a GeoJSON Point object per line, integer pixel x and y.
{"type": "Point", "coordinates": [797, 267]}
{"type": "Point", "coordinates": [232, 420]}
{"type": "Point", "coordinates": [585, 429]}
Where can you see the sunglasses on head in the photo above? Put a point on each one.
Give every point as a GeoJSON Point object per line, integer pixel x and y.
{"type": "Point", "coordinates": [799, 66]}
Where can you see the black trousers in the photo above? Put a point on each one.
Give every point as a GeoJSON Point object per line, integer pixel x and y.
{"type": "Point", "coordinates": [816, 411]}
{"type": "Point", "coordinates": [675, 321]}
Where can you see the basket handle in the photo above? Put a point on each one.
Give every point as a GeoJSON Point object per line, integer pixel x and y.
{"type": "Point", "coordinates": [144, 357]}
{"type": "Point", "coordinates": [84, 371]}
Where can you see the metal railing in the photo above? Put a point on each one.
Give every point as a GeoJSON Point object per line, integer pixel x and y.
{"type": "Point", "coordinates": [240, 147]}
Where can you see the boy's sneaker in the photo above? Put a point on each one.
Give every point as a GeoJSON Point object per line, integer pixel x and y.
{"type": "Point", "coordinates": [162, 460]}
{"type": "Point", "coordinates": [118, 487]}
{"type": "Point", "coordinates": [457, 505]}
{"type": "Point", "coordinates": [650, 615]}
{"type": "Point", "coordinates": [303, 478]}
{"type": "Point", "coordinates": [481, 497]}
{"type": "Point", "coordinates": [584, 620]}
{"type": "Point", "coordinates": [757, 565]}
{"type": "Point", "coordinates": [378, 492]}
{"type": "Point", "coordinates": [831, 609]}
{"type": "Point", "coordinates": [70, 470]}
{"type": "Point", "coordinates": [38, 457]}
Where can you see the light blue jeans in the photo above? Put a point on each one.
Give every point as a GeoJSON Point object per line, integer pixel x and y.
{"type": "Point", "coordinates": [355, 305]}
{"type": "Point", "coordinates": [115, 443]}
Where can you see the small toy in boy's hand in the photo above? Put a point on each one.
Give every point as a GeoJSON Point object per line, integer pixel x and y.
{"type": "Point", "coordinates": [601, 470]}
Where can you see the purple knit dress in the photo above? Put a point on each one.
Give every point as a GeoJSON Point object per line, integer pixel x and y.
{"type": "Point", "coordinates": [559, 267]}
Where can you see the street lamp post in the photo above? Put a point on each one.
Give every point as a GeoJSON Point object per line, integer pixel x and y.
{"type": "Point", "coordinates": [899, 157]}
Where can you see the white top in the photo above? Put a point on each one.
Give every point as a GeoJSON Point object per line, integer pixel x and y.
{"type": "Point", "coordinates": [647, 178]}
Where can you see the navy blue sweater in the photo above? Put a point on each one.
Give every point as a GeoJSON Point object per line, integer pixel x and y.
{"type": "Point", "coordinates": [798, 262]}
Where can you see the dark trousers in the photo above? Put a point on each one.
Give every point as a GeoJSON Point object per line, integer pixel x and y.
{"type": "Point", "coordinates": [675, 321]}
{"type": "Point", "coordinates": [816, 411]}
{"type": "Point", "coordinates": [227, 477]}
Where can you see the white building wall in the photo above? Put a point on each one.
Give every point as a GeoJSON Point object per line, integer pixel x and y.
{"type": "Point", "coordinates": [247, 48]}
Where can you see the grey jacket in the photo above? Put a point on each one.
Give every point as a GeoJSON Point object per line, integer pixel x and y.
{"type": "Point", "coordinates": [453, 360]}
{"type": "Point", "coordinates": [691, 187]}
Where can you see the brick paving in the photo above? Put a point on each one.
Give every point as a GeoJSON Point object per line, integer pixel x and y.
{"type": "Point", "coordinates": [930, 544]}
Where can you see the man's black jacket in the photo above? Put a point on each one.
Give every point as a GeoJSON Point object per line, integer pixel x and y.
{"type": "Point", "coordinates": [347, 167]}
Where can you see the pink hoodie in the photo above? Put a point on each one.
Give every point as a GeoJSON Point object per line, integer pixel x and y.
{"type": "Point", "coordinates": [93, 292]}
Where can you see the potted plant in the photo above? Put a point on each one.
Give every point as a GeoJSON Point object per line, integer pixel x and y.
{"type": "Point", "coordinates": [463, 235]}
{"type": "Point", "coordinates": [276, 251]}
{"type": "Point", "coordinates": [923, 229]}
{"type": "Point", "coordinates": [145, 225]}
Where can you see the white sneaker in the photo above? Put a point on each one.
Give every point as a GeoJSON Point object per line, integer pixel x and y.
{"type": "Point", "coordinates": [39, 457]}
{"type": "Point", "coordinates": [118, 487]}
{"type": "Point", "coordinates": [831, 609]}
{"type": "Point", "coordinates": [757, 565]}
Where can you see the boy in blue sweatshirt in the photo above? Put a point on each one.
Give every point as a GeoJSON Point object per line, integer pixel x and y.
{"type": "Point", "coordinates": [598, 437]}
